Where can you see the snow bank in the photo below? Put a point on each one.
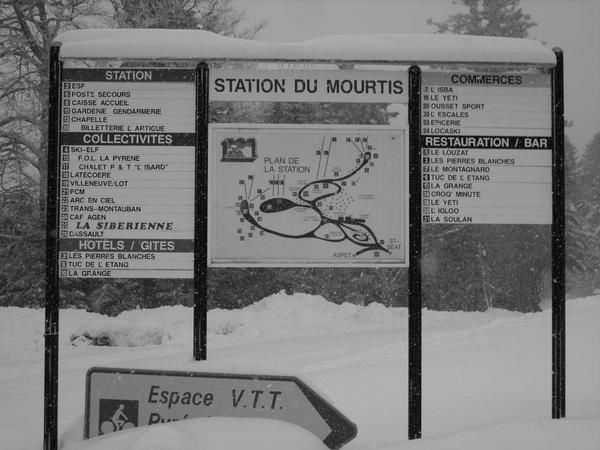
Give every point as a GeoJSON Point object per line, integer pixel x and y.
{"type": "Point", "coordinates": [21, 331]}
{"type": "Point", "coordinates": [275, 317]}
{"type": "Point", "coordinates": [214, 433]}
{"type": "Point", "coordinates": [282, 315]}
{"type": "Point", "coordinates": [264, 434]}
{"type": "Point", "coordinates": [486, 376]}
{"type": "Point", "coordinates": [583, 434]}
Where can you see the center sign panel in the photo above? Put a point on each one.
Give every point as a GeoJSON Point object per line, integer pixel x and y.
{"type": "Point", "coordinates": [325, 194]}
{"type": "Point", "coordinates": [306, 195]}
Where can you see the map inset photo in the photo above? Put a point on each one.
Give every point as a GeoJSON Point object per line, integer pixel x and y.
{"type": "Point", "coordinates": [310, 195]}
{"type": "Point", "coordinates": [238, 149]}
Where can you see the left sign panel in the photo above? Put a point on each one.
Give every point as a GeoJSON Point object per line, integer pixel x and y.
{"type": "Point", "coordinates": [126, 173]}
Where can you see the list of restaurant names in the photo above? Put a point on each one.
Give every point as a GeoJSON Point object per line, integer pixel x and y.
{"type": "Point", "coordinates": [486, 144]}
{"type": "Point", "coordinates": [127, 167]}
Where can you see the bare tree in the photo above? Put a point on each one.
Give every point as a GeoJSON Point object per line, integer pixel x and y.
{"type": "Point", "coordinates": [27, 30]}
{"type": "Point", "coordinates": [218, 16]}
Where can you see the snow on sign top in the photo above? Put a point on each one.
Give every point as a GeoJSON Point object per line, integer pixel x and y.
{"type": "Point", "coordinates": [204, 45]}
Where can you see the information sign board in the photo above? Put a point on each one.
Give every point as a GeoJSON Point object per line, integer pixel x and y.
{"type": "Point", "coordinates": [307, 195]}
{"type": "Point", "coordinates": [127, 153]}
{"type": "Point", "coordinates": [118, 399]}
{"type": "Point", "coordinates": [486, 142]}
{"type": "Point", "coordinates": [301, 85]}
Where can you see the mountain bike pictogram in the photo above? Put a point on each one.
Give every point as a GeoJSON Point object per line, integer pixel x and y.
{"type": "Point", "coordinates": [117, 415]}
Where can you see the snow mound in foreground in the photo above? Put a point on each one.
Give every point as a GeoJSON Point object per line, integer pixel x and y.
{"type": "Point", "coordinates": [270, 318]}
{"type": "Point", "coordinates": [581, 434]}
{"type": "Point", "coordinates": [221, 433]}
{"type": "Point", "coordinates": [212, 433]}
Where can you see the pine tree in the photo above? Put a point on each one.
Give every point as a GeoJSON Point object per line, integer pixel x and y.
{"type": "Point", "coordinates": [487, 18]}
{"type": "Point", "coordinates": [584, 211]}
{"type": "Point", "coordinates": [590, 178]}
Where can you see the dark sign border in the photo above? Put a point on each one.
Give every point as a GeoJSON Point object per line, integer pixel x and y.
{"type": "Point", "coordinates": [414, 266]}
{"type": "Point", "coordinates": [52, 292]}
{"type": "Point", "coordinates": [558, 241]}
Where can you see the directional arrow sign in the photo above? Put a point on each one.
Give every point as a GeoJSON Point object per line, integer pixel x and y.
{"type": "Point", "coordinates": [118, 399]}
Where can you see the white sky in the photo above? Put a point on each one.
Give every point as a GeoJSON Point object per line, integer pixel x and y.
{"type": "Point", "coordinates": [573, 25]}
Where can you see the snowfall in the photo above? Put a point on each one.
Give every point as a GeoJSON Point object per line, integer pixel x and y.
{"type": "Point", "coordinates": [486, 375]}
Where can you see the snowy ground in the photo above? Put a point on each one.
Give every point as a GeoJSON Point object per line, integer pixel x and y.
{"type": "Point", "coordinates": [486, 376]}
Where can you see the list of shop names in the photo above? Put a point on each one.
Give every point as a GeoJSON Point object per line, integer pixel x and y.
{"type": "Point", "coordinates": [486, 148]}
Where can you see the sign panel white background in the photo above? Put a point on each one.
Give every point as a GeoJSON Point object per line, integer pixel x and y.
{"type": "Point", "coordinates": [487, 148]}
{"type": "Point", "coordinates": [227, 397]}
{"type": "Point", "coordinates": [307, 195]}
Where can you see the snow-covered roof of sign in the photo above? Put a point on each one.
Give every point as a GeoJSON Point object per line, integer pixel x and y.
{"type": "Point", "coordinates": [204, 45]}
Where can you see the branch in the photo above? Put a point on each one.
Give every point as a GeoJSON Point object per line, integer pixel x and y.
{"type": "Point", "coordinates": [23, 157]}
{"type": "Point", "coordinates": [21, 140]}
{"type": "Point", "coordinates": [12, 237]}
{"type": "Point", "coordinates": [19, 118]}
{"type": "Point", "coordinates": [24, 27]}
{"type": "Point", "coordinates": [17, 76]}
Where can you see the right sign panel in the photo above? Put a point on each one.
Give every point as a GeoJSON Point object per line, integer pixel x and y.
{"type": "Point", "coordinates": [486, 142]}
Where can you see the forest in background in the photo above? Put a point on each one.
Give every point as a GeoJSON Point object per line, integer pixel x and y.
{"type": "Point", "coordinates": [467, 267]}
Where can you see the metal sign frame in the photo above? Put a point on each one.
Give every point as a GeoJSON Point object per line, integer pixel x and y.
{"type": "Point", "coordinates": [414, 268]}
{"type": "Point", "coordinates": [557, 252]}
{"type": "Point", "coordinates": [52, 289]}
{"type": "Point", "coordinates": [558, 241]}
{"type": "Point", "coordinates": [201, 213]}
{"type": "Point", "coordinates": [52, 305]}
